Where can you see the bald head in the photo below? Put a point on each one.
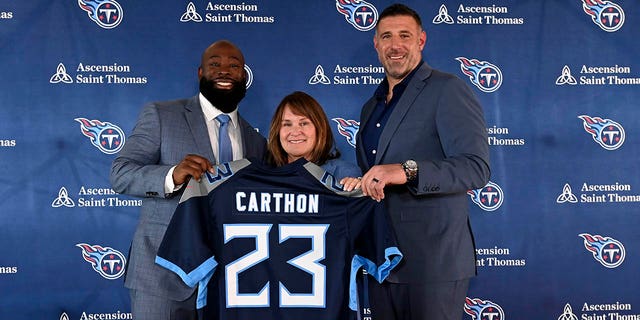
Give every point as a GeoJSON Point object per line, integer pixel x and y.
{"type": "Point", "coordinates": [222, 48]}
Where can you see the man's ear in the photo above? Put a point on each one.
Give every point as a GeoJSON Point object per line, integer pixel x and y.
{"type": "Point", "coordinates": [423, 39]}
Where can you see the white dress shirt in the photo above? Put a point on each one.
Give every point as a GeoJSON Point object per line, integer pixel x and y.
{"type": "Point", "coordinates": [213, 126]}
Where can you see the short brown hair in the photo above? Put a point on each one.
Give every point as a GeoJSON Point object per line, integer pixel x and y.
{"type": "Point", "coordinates": [398, 9]}
{"type": "Point", "coordinates": [302, 104]}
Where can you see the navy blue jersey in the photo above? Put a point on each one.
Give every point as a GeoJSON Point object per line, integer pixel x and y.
{"type": "Point", "coordinates": [276, 243]}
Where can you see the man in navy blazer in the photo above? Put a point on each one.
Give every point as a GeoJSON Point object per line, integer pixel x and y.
{"type": "Point", "coordinates": [172, 142]}
{"type": "Point", "coordinates": [422, 143]}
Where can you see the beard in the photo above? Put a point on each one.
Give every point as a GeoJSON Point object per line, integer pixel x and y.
{"type": "Point", "coordinates": [225, 100]}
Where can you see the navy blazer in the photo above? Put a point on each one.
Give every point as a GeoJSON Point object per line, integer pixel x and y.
{"type": "Point", "coordinates": [164, 134]}
{"type": "Point", "coordinates": [439, 123]}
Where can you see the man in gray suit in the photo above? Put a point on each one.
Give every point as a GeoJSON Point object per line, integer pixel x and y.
{"type": "Point", "coordinates": [172, 142]}
{"type": "Point", "coordinates": [422, 143]}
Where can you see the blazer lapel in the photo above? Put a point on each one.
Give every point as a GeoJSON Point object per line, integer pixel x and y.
{"type": "Point", "coordinates": [415, 86]}
{"type": "Point", "coordinates": [197, 123]}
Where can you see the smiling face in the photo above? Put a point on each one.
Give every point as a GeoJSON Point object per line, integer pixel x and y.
{"type": "Point", "coordinates": [299, 129]}
{"type": "Point", "coordinates": [223, 65]}
{"type": "Point", "coordinates": [297, 135]}
{"type": "Point", "coordinates": [222, 75]}
{"type": "Point", "coordinates": [399, 41]}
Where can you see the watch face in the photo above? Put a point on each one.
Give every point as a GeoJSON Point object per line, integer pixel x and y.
{"type": "Point", "coordinates": [410, 169]}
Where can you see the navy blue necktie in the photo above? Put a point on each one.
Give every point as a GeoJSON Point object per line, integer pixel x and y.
{"type": "Point", "coordinates": [225, 152]}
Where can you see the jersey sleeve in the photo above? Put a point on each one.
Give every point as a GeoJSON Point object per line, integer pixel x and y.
{"type": "Point", "coordinates": [185, 248]}
{"type": "Point", "coordinates": [375, 245]}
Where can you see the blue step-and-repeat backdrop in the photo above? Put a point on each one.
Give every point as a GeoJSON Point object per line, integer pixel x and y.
{"type": "Point", "coordinates": [556, 227]}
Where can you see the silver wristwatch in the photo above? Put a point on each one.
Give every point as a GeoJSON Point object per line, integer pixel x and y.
{"type": "Point", "coordinates": [410, 169]}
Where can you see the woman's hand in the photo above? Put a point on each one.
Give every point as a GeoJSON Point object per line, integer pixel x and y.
{"type": "Point", "coordinates": [350, 183]}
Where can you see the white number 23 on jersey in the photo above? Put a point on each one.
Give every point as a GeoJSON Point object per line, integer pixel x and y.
{"type": "Point", "coordinates": [307, 262]}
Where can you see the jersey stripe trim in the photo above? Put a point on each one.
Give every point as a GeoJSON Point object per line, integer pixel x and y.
{"type": "Point", "coordinates": [380, 273]}
{"type": "Point", "coordinates": [199, 276]}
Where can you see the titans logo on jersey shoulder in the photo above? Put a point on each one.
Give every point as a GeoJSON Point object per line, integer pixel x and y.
{"type": "Point", "coordinates": [223, 171]}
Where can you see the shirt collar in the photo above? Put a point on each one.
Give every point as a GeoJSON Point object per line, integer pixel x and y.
{"type": "Point", "coordinates": [383, 88]}
{"type": "Point", "coordinates": [211, 112]}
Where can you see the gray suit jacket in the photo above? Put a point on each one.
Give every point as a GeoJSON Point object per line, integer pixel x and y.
{"type": "Point", "coordinates": [164, 134]}
{"type": "Point", "coordinates": [439, 123]}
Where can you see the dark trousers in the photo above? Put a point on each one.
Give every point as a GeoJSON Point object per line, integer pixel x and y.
{"type": "Point", "coordinates": [423, 301]}
{"type": "Point", "coordinates": [145, 306]}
